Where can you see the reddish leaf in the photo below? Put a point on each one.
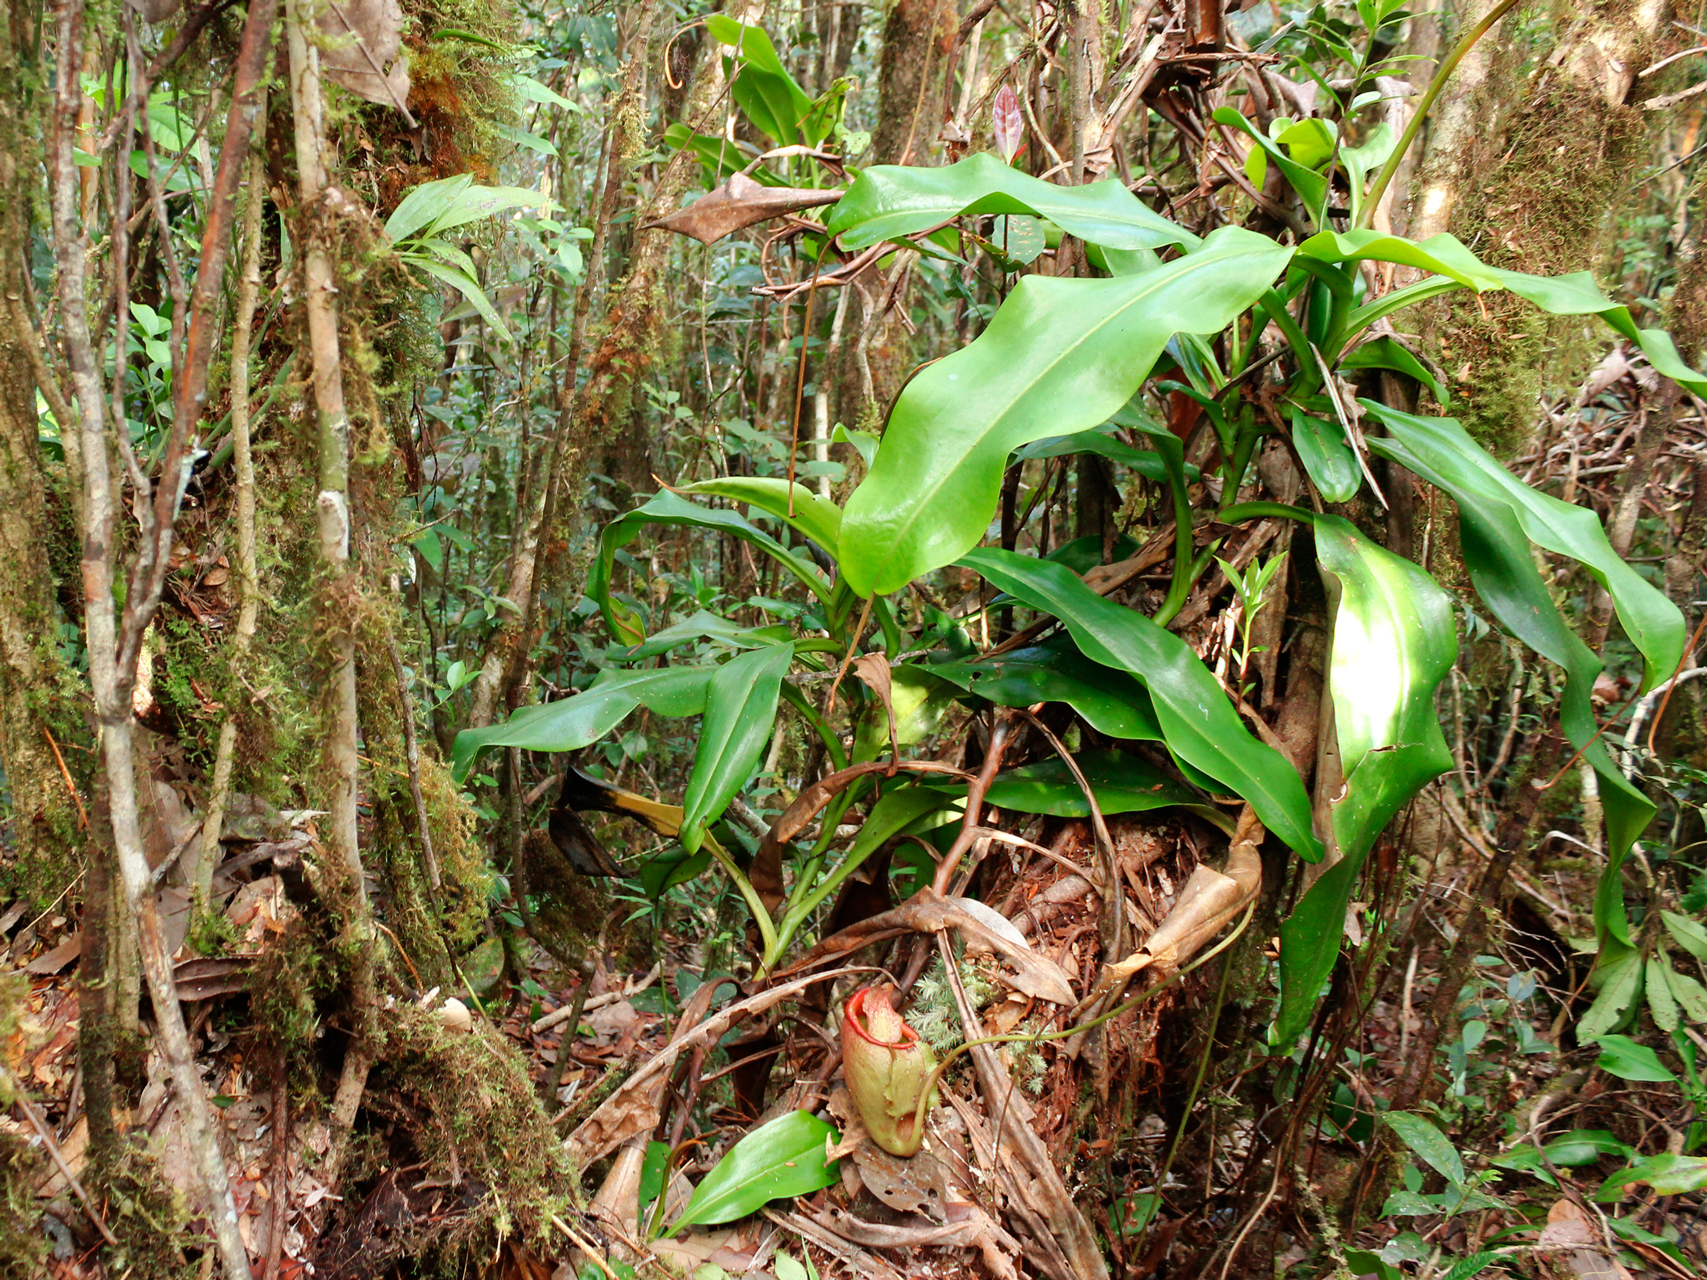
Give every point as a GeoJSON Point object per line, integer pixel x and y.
{"type": "Point", "coordinates": [1007, 124]}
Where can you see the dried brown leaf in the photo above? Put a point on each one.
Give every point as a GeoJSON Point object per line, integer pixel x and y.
{"type": "Point", "coordinates": [739, 203]}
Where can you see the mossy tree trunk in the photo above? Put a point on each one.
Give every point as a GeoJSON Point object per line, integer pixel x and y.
{"type": "Point", "coordinates": [44, 819]}
{"type": "Point", "coordinates": [1527, 162]}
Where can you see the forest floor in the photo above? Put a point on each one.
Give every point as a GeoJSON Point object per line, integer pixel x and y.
{"type": "Point", "coordinates": [973, 1200]}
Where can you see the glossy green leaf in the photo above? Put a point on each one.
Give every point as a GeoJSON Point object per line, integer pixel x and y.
{"type": "Point", "coordinates": [581, 720]}
{"type": "Point", "coordinates": [811, 515]}
{"type": "Point", "coordinates": [1442, 254]}
{"type": "Point", "coordinates": [1327, 457]}
{"type": "Point", "coordinates": [719, 156]}
{"type": "Point", "coordinates": [1198, 724]}
{"type": "Point", "coordinates": [464, 284]}
{"type": "Point", "coordinates": [1585, 1146]}
{"type": "Point", "coordinates": [664, 871]}
{"type": "Point", "coordinates": [740, 712]}
{"type": "Point", "coordinates": [1394, 641]}
{"type": "Point", "coordinates": [652, 1170]}
{"type": "Point", "coordinates": [1578, 295]}
{"type": "Point", "coordinates": [1146, 462]}
{"type": "Point", "coordinates": [1623, 1057]}
{"type": "Point", "coordinates": [1498, 516]}
{"type": "Point", "coordinates": [894, 812]}
{"type": "Point", "coordinates": [761, 85]}
{"type": "Point", "coordinates": [668, 508]}
{"type": "Point", "coordinates": [888, 202]}
{"type": "Point", "coordinates": [1387, 352]}
{"type": "Point", "coordinates": [776, 1160]}
{"type": "Point", "coordinates": [1312, 187]}
{"type": "Point", "coordinates": [1691, 996]}
{"type": "Point", "coordinates": [1428, 1144]}
{"type": "Point", "coordinates": [704, 625]}
{"type": "Point", "coordinates": [1120, 782]}
{"type": "Point", "coordinates": [1060, 356]}
{"type": "Point", "coordinates": [1111, 702]}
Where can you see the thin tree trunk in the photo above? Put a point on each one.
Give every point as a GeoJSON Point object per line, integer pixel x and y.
{"type": "Point", "coordinates": [112, 654]}
{"type": "Point", "coordinates": [321, 202]}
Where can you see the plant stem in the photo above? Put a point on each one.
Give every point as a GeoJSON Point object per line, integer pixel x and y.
{"type": "Point", "coordinates": [1383, 179]}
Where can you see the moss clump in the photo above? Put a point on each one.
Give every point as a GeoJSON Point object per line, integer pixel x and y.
{"type": "Point", "coordinates": [1546, 204]}
{"type": "Point", "coordinates": [473, 1116]}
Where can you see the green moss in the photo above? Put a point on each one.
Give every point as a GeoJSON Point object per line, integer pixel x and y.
{"type": "Point", "coordinates": [1545, 204]}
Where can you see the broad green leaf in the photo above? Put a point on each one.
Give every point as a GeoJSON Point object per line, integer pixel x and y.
{"type": "Point", "coordinates": [779, 1159]}
{"type": "Point", "coordinates": [888, 202]}
{"type": "Point", "coordinates": [1312, 187]}
{"type": "Point", "coordinates": [1443, 254]}
{"type": "Point", "coordinates": [652, 1169]}
{"type": "Point", "coordinates": [1620, 987]}
{"type": "Point", "coordinates": [1474, 1265]}
{"type": "Point", "coordinates": [1444, 454]}
{"type": "Point", "coordinates": [1393, 643]}
{"type": "Point", "coordinates": [537, 91]}
{"type": "Point", "coordinates": [1309, 141]}
{"type": "Point", "coordinates": [581, 720]}
{"type": "Point", "coordinates": [1198, 724]}
{"type": "Point", "coordinates": [1623, 1057]}
{"type": "Point", "coordinates": [1577, 295]}
{"type": "Point", "coordinates": [813, 516]}
{"type": "Point", "coordinates": [761, 85]}
{"type": "Point", "coordinates": [740, 712]}
{"type": "Point", "coordinates": [1111, 702]}
{"type": "Point", "coordinates": [664, 871]}
{"type": "Point", "coordinates": [667, 508]}
{"type": "Point", "coordinates": [1060, 356]}
{"type": "Point", "coordinates": [1585, 1146]}
{"type": "Point", "coordinates": [424, 205]}
{"type": "Point", "coordinates": [1322, 447]}
{"type": "Point", "coordinates": [1408, 1204]}
{"type": "Point", "coordinates": [1428, 1144]}
{"type": "Point", "coordinates": [1146, 462]}
{"type": "Point", "coordinates": [863, 443]}
{"type": "Point", "coordinates": [1387, 352]}
{"type": "Point", "coordinates": [1690, 994]}
{"type": "Point", "coordinates": [1120, 782]}
{"type": "Point", "coordinates": [720, 156]}
{"type": "Point", "coordinates": [1497, 515]}
{"type": "Point", "coordinates": [897, 809]}
{"type": "Point", "coordinates": [707, 626]}
{"type": "Point", "coordinates": [1365, 1263]}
